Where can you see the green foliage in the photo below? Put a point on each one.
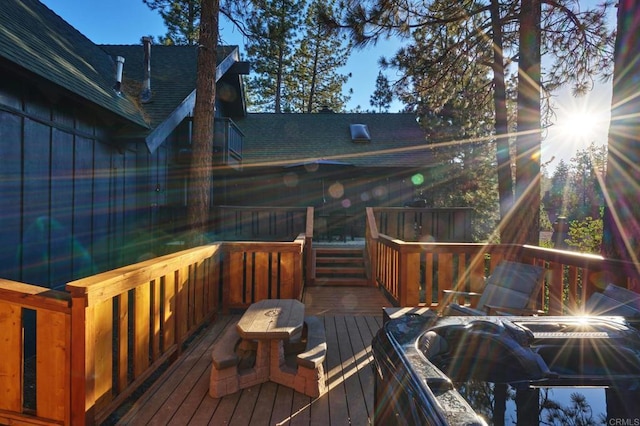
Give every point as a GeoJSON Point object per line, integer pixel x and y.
{"type": "Point", "coordinates": [461, 51]}
{"type": "Point", "coordinates": [272, 27]}
{"type": "Point", "coordinates": [295, 59]}
{"type": "Point", "coordinates": [313, 82]}
{"type": "Point", "coordinates": [383, 95]}
{"type": "Point", "coordinates": [182, 18]}
{"type": "Point", "coordinates": [576, 188]}
{"type": "Point", "coordinates": [585, 235]}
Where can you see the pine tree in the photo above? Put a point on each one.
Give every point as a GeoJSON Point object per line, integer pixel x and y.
{"type": "Point", "coordinates": [314, 81]}
{"type": "Point", "coordinates": [577, 41]}
{"type": "Point", "coordinates": [383, 95]}
{"type": "Point", "coordinates": [272, 27]}
{"type": "Point", "coordinates": [199, 201]}
{"type": "Point", "coordinates": [182, 18]}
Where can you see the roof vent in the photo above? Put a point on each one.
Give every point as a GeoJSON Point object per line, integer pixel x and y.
{"type": "Point", "coordinates": [145, 95]}
{"type": "Point", "coordinates": [359, 133]}
{"type": "Point", "coordinates": [119, 66]}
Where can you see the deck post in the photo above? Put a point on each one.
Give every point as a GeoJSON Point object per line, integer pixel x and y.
{"type": "Point", "coordinates": [82, 385]}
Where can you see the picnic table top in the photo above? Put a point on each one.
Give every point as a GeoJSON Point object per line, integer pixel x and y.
{"type": "Point", "coordinates": [272, 319]}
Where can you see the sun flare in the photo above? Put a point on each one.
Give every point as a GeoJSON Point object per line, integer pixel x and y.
{"type": "Point", "coordinates": [580, 126]}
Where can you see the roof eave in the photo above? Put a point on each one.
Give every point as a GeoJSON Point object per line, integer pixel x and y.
{"type": "Point", "coordinates": [154, 139]}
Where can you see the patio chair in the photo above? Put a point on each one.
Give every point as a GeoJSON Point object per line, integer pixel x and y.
{"type": "Point", "coordinates": [616, 301]}
{"type": "Point", "coordinates": [511, 289]}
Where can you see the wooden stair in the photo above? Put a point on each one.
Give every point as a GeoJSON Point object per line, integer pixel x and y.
{"type": "Point", "coordinates": [339, 266]}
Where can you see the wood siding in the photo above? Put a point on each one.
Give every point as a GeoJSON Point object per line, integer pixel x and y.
{"type": "Point", "coordinates": [69, 195]}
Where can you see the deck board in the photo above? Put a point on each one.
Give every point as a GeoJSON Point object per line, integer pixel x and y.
{"type": "Point", "coordinates": [181, 395]}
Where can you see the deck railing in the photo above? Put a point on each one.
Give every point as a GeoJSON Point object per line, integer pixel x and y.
{"type": "Point", "coordinates": [254, 223]}
{"type": "Point", "coordinates": [49, 314]}
{"type": "Point", "coordinates": [414, 273]}
{"type": "Point", "coordinates": [425, 224]}
{"type": "Point", "coordinates": [98, 343]}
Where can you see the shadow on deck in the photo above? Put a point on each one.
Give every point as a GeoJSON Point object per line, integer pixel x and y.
{"type": "Point", "coordinates": [351, 316]}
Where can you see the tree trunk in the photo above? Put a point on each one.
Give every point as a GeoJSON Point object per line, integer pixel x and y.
{"type": "Point", "coordinates": [503, 156]}
{"type": "Point", "coordinates": [199, 197]}
{"type": "Point", "coordinates": [523, 225]}
{"type": "Point", "coordinates": [621, 239]}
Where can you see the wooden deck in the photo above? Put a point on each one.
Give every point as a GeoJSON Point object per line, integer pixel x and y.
{"type": "Point", "coordinates": [352, 316]}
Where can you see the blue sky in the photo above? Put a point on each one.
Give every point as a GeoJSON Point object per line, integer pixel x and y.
{"type": "Point", "coordinates": [126, 21]}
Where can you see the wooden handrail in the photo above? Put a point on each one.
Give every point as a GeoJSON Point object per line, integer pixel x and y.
{"type": "Point", "coordinates": [412, 273]}
{"type": "Point", "coordinates": [101, 340]}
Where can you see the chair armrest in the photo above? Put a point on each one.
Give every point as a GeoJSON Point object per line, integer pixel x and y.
{"type": "Point", "coordinates": [458, 310]}
{"type": "Point", "coordinates": [502, 310]}
{"type": "Point", "coordinates": [455, 293]}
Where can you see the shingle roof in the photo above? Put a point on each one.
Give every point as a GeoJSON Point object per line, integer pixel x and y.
{"type": "Point", "coordinates": [35, 38]}
{"type": "Point", "coordinates": [173, 75]}
{"type": "Point", "coordinates": [397, 140]}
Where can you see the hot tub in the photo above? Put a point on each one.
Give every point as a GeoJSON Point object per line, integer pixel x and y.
{"type": "Point", "coordinates": [506, 370]}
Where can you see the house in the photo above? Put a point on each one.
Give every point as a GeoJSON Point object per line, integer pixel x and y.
{"type": "Point", "coordinates": [338, 163]}
{"type": "Point", "coordinates": [95, 147]}
{"type": "Point", "coordinates": [89, 160]}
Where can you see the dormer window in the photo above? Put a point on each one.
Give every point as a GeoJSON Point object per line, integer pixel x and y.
{"type": "Point", "coordinates": [359, 133]}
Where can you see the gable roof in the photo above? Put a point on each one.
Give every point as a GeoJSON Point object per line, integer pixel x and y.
{"type": "Point", "coordinates": [397, 140]}
{"type": "Point", "coordinates": [35, 38]}
{"type": "Point", "coordinates": [173, 72]}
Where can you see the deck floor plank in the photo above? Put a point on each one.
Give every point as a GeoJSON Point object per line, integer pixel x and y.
{"type": "Point", "coordinates": [300, 410]}
{"type": "Point", "coordinates": [246, 403]}
{"type": "Point", "coordinates": [225, 409]}
{"type": "Point", "coordinates": [205, 411]}
{"type": "Point", "coordinates": [192, 400]}
{"type": "Point", "coordinates": [360, 341]}
{"type": "Point", "coordinates": [338, 407]}
{"type": "Point", "coordinates": [264, 406]}
{"type": "Point", "coordinates": [162, 390]}
{"type": "Point", "coordinates": [282, 407]}
{"type": "Point", "coordinates": [180, 395]}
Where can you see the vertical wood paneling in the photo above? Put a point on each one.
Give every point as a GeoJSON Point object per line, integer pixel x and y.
{"type": "Point", "coordinates": [83, 191]}
{"type": "Point", "coordinates": [199, 291]}
{"type": "Point", "coordinates": [52, 381]}
{"type": "Point", "coordinates": [234, 277]}
{"type": "Point", "coordinates": [249, 274]}
{"type": "Point", "coordinates": [155, 319]}
{"type": "Point", "coordinates": [210, 284]}
{"type": "Point", "coordinates": [169, 311]}
{"type": "Point", "coordinates": [445, 273]}
{"type": "Point", "coordinates": [286, 266]}
{"type": "Point", "coordinates": [117, 201]}
{"type": "Point", "coordinates": [123, 341]}
{"type": "Point", "coordinates": [10, 195]}
{"type": "Point", "coordinates": [141, 329]}
{"type": "Point", "coordinates": [428, 286]}
{"type": "Point", "coordinates": [191, 291]}
{"type": "Point", "coordinates": [103, 249]}
{"type": "Point", "coordinates": [61, 202]}
{"type": "Point", "coordinates": [103, 356]}
{"type": "Point", "coordinates": [556, 296]}
{"type": "Point", "coordinates": [11, 365]}
{"type": "Point", "coordinates": [262, 278]}
{"type": "Point", "coordinates": [35, 187]}
{"type": "Point", "coordinates": [182, 304]}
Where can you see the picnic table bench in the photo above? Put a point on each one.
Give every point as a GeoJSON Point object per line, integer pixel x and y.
{"type": "Point", "coordinates": [265, 329]}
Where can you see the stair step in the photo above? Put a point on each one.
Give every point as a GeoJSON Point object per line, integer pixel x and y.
{"type": "Point", "coordinates": [337, 270]}
{"type": "Point", "coordinates": [339, 266]}
{"type": "Point", "coordinates": [343, 260]}
{"type": "Point", "coordinates": [338, 250]}
{"type": "Point", "coordinates": [342, 281]}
